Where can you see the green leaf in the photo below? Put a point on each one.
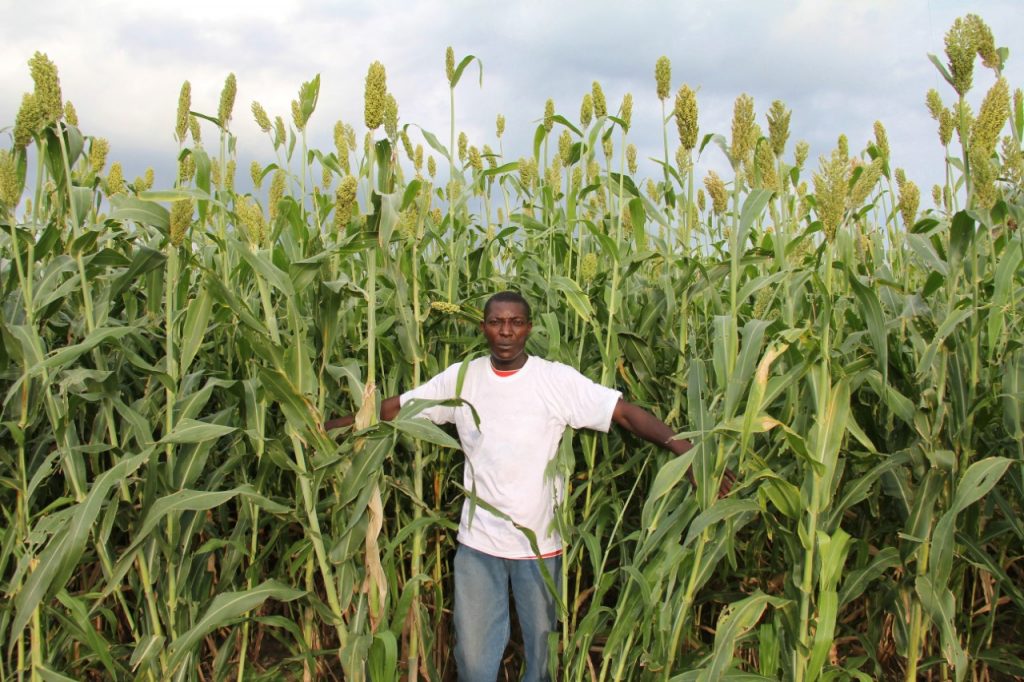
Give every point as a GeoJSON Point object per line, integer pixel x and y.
{"type": "Point", "coordinates": [424, 430]}
{"type": "Point", "coordinates": [139, 211]}
{"type": "Point", "coordinates": [735, 621]}
{"type": "Point", "coordinates": [719, 511]}
{"type": "Point", "coordinates": [62, 553]}
{"type": "Point", "coordinates": [146, 649]}
{"type": "Point", "coordinates": [64, 356]}
{"type": "Point", "coordinates": [574, 296]}
{"type": "Point", "coordinates": [194, 431]}
{"type": "Point", "coordinates": [225, 608]}
{"type": "Point", "coordinates": [264, 267]}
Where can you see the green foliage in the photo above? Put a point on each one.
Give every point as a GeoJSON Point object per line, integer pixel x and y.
{"type": "Point", "coordinates": [174, 508]}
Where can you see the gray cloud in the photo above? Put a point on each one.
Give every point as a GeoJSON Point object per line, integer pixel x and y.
{"type": "Point", "coordinates": [838, 65]}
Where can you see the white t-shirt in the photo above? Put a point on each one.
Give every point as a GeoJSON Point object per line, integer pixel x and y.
{"type": "Point", "coordinates": [522, 419]}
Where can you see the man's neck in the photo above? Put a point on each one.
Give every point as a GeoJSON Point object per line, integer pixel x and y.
{"type": "Point", "coordinates": [509, 366]}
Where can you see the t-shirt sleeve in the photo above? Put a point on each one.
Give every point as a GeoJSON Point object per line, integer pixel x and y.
{"type": "Point", "coordinates": [588, 405]}
{"type": "Point", "coordinates": [440, 387]}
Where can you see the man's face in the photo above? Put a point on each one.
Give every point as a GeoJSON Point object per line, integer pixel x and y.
{"type": "Point", "coordinates": [506, 328]}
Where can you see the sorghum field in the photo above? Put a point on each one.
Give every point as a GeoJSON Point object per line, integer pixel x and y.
{"type": "Point", "coordinates": [174, 510]}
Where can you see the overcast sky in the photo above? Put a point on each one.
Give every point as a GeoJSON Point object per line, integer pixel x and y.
{"type": "Point", "coordinates": [838, 64]}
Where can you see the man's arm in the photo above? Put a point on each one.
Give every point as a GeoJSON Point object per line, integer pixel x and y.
{"type": "Point", "coordinates": [389, 408]}
{"type": "Point", "coordinates": [642, 423]}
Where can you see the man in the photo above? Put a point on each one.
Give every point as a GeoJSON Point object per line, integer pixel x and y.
{"type": "Point", "coordinates": [524, 404]}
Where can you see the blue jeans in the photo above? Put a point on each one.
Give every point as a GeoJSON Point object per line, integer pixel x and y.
{"type": "Point", "coordinates": [482, 614]}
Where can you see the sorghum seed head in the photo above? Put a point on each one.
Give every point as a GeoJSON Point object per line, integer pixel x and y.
{"type": "Point", "coordinates": [184, 105]}
{"type": "Point", "coordinates": [554, 174]}
{"type": "Point", "coordinates": [565, 147]}
{"type": "Point", "coordinates": [260, 116]}
{"type": "Point", "coordinates": [684, 161]}
{"type": "Point", "coordinates": [593, 170]}
{"type": "Point", "coordinates": [345, 201]}
{"type": "Point", "coordinates": [276, 192]}
{"type": "Point", "coordinates": [326, 178]}
{"type": "Point", "coordinates": [463, 146]}
{"type": "Point", "coordinates": [115, 179]}
{"type": "Point", "coordinates": [445, 307]}
{"type": "Point", "coordinates": [47, 87]}
{"type": "Point", "coordinates": [229, 172]}
{"type": "Point", "coordinates": [407, 144]}
{"type": "Point", "coordinates": [436, 216]}
{"type": "Point", "coordinates": [866, 182]}
{"type": "Point", "coordinates": [881, 140]}
{"type": "Point", "coordinates": [600, 104]}
{"type": "Point", "coordinates": [149, 177]}
{"type": "Point", "coordinates": [499, 125]}
{"type": "Point", "coordinates": [577, 178]}
{"type": "Point", "coordinates": [588, 267]}
{"type": "Point", "coordinates": [631, 158]}
{"type": "Point", "coordinates": [391, 116]}
{"type": "Point", "coordinates": [215, 175]}
{"type": "Point", "coordinates": [984, 43]}
{"type": "Point", "coordinates": [376, 96]}
{"type": "Point", "coordinates": [475, 162]}
{"type": "Point", "coordinates": [298, 119]}
{"type": "Point", "coordinates": [764, 160]}
{"type": "Point", "coordinates": [181, 220]}
{"type": "Point", "coordinates": [701, 200]}
{"type": "Point", "coordinates": [587, 110]}
{"type": "Point", "coordinates": [963, 119]}
{"type": "Point", "coordinates": [778, 126]}
{"type": "Point", "coordinates": [626, 110]}
{"type": "Point", "coordinates": [70, 115]}
{"type": "Point", "coordinates": [549, 115]}
{"type": "Point", "coordinates": [652, 189]}
{"type": "Point", "coordinates": [685, 111]}
{"type": "Point", "coordinates": [803, 148]}
{"type": "Point", "coordinates": [743, 135]}
{"type": "Point", "coordinates": [98, 151]}
{"type": "Point", "coordinates": [608, 147]}
{"type": "Point", "coordinates": [194, 130]}
{"type": "Point", "coordinates": [992, 117]}
{"type": "Point", "coordinates": [843, 147]}
{"type": "Point", "coordinates": [227, 100]}
{"type": "Point", "coordinates": [960, 51]}
{"type": "Point", "coordinates": [910, 197]}
{"type": "Point", "coordinates": [10, 188]}
{"type": "Point", "coordinates": [280, 132]}
{"type": "Point", "coordinates": [663, 77]}
{"type": "Point", "coordinates": [187, 169]}
{"type": "Point", "coordinates": [28, 122]}
{"type": "Point", "coordinates": [431, 166]}
{"type": "Point", "coordinates": [449, 66]}
{"type": "Point", "coordinates": [407, 222]}
{"type": "Point", "coordinates": [528, 171]}
{"type": "Point", "coordinates": [937, 196]}
{"type": "Point", "coordinates": [488, 153]}
{"type": "Point", "coordinates": [251, 216]}
{"type": "Point", "coordinates": [716, 189]}
{"type": "Point", "coordinates": [417, 159]}
{"type": "Point", "coordinates": [934, 103]}
{"type": "Point", "coordinates": [831, 189]}
{"type": "Point", "coordinates": [947, 123]}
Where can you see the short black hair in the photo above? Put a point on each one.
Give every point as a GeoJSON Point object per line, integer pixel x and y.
{"type": "Point", "coordinates": [508, 297]}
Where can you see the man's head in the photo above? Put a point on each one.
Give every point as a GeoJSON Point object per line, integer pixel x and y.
{"type": "Point", "coordinates": [506, 327]}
